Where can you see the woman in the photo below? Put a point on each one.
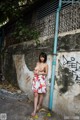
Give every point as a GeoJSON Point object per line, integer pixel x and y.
{"type": "Point", "coordinates": [39, 82]}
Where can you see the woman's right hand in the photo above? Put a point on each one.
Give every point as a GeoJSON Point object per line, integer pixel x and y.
{"type": "Point", "coordinates": [36, 71]}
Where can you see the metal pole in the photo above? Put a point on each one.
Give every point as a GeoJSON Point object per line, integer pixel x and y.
{"type": "Point", "coordinates": [54, 57]}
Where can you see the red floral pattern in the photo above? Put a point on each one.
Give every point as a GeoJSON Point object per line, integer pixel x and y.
{"type": "Point", "coordinates": [39, 84]}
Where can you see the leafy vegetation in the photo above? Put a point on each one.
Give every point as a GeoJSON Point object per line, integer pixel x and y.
{"type": "Point", "coordinates": [10, 9]}
{"type": "Point", "coordinates": [13, 10]}
{"type": "Point", "coordinates": [22, 32]}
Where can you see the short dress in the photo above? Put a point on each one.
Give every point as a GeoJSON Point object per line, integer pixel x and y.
{"type": "Point", "coordinates": [39, 83]}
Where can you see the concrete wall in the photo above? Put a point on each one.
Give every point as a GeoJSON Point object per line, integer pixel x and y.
{"type": "Point", "coordinates": [20, 60]}
{"type": "Point", "coordinates": [67, 85]}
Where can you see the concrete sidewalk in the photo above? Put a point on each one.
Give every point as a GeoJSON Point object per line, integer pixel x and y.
{"type": "Point", "coordinates": [17, 106]}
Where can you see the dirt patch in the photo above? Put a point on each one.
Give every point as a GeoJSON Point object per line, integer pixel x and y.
{"type": "Point", "coordinates": [9, 87]}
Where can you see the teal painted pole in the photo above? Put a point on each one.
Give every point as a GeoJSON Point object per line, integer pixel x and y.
{"type": "Point", "coordinates": [54, 57]}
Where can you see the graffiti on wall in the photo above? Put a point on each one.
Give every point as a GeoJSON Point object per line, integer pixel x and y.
{"type": "Point", "coordinates": [72, 62]}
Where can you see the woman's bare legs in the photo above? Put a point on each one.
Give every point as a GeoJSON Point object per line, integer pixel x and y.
{"type": "Point", "coordinates": [35, 104]}
{"type": "Point", "coordinates": [41, 95]}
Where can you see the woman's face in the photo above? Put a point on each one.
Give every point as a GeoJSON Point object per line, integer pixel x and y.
{"type": "Point", "coordinates": [42, 59]}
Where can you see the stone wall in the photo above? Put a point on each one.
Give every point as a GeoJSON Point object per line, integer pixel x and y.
{"type": "Point", "coordinates": [31, 53]}
{"type": "Point", "coordinates": [20, 60]}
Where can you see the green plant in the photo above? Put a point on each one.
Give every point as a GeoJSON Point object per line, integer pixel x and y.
{"type": "Point", "coordinates": [22, 32]}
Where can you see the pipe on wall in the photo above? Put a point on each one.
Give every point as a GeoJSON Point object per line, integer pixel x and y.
{"type": "Point", "coordinates": [54, 56]}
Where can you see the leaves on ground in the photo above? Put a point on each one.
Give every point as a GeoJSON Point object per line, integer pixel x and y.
{"type": "Point", "coordinates": [49, 114]}
{"type": "Point", "coordinates": [36, 117]}
{"type": "Point", "coordinates": [7, 86]}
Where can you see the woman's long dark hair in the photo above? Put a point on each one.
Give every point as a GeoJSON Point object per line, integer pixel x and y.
{"type": "Point", "coordinates": [42, 54]}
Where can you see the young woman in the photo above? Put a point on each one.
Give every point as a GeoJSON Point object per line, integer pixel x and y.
{"type": "Point", "coordinates": [39, 82]}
